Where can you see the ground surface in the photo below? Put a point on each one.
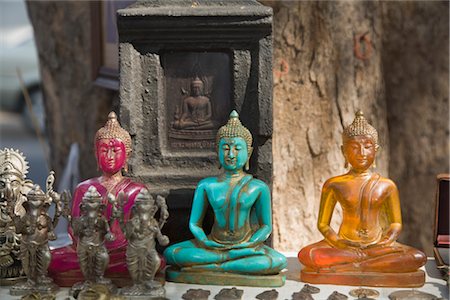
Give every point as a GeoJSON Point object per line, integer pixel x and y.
{"type": "Point", "coordinates": [434, 285]}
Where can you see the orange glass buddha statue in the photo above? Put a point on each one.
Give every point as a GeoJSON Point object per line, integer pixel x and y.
{"type": "Point", "coordinates": [364, 251]}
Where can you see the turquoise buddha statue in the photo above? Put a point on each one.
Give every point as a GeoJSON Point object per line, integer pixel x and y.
{"type": "Point", "coordinates": [233, 253]}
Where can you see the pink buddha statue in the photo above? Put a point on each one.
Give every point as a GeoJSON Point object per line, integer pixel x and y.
{"type": "Point", "coordinates": [112, 149]}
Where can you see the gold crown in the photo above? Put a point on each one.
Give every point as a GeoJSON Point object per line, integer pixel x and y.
{"type": "Point", "coordinates": [92, 195]}
{"type": "Point", "coordinates": [113, 130]}
{"type": "Point", "coordinates": [13, 162]}
{"type": "Point", "coordinates": [144, 196]}
{"type": "Point", "coordinates": [234, 128]}
{"type": "Point", "coordinates": [359, 127]}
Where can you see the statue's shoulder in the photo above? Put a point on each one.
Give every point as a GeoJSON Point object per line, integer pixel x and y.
{"type": "Point", "coordinates": [207, 181]}
{"type": "Point", "coordinates": [388, 183]}
{"type": "Point", "coordinates": [332, 182]}
{"type": "Point", "coordinates": [87, 183]}
{"type": "Point", "coordinates": [258, 184]}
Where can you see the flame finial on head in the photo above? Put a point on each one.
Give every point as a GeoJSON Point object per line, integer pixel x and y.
{"type": "Point", "coordinates": [197, 82]}
{"type": "Point", "coordinates": [113, 130]}
{"type": "Point", "coordinates": [359, 127]}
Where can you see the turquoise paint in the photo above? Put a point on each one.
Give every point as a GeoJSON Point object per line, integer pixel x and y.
{"type": "Point", "coordinates": [243, 221]}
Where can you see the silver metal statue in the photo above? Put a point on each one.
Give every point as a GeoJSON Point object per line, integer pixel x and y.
{"type": "Point", "coordinates": [92, 229]}
{"type": "Point", "coordinates": [13, 189]}
{"type": "Point", "coordinates": [36, 228]}
{"type": "Point", "coordinates": [141, 230]}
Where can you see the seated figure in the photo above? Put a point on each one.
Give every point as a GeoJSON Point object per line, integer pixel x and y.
{"type": "Point", "coordinates": [113, 148]}
{"type": "Point", "coordinates": [364, 251]}
{"type": "Point", "coordinates": [196, 111]}
{"type": "Point", "coordinates": [234, 252]}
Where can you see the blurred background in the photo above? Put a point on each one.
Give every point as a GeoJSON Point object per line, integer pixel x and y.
{"type": "Point", "coordinates": [390, 59]}
{"type": "Point", "coordinates": [18, 53]}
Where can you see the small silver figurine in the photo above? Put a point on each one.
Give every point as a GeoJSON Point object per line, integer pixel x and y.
{"type": "Point", "coordinates": [141, 230]}
{"type": "Point", "coordinates": [92, 229]}
{"type": "Point", "coordinates": [36, 228]}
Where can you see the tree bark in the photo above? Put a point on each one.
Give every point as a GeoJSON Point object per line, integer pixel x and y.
{"type": "Point", "coordinates": [319, 85]}
{"type": "Point", "coordinates": [416, 72]}
{"type": "Point", "coordinates": [75, 108]}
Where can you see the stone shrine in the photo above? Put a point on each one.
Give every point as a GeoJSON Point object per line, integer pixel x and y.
{"type": "Point", "coordinates": [184, 66]}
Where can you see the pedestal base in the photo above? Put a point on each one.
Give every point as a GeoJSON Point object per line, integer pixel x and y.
{"type": "Point", "coordinates": [222, 278]}
{"type": "Point", "coordinates": [411, 279]}
{"type": "Point", "coordinates": [24, 288]}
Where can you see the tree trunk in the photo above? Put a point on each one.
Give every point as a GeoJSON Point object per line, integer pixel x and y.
{"type": "Point", "coordinates": [416, 71]}
{"type": "Point", "coordinates": [75, 108]}
{"type": "Point", "coordinates": [320, 82]}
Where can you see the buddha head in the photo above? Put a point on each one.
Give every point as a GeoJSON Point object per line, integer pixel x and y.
{"type": "Point", "coordinates": [234, 144]}
{"type": "Point", "coordinates": [91, 205]}
{"type": "Point", "coordinates": [13, 170]}
{"type": "Point", "coordinates": [112, 146]}
{"type": "Point", "coordinates": [360, 143]}
{"type": "Point", "coordinates": [144, 203]}
{"type": "Point", "coordinates": [36, 199]}
{"type": "Point", "coordinates": [197, 87]}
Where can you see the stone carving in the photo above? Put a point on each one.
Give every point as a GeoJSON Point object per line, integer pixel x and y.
{"type": "Point", "coordinates": [302, 296]}
{"type": "Point", "coordinates": [196, 294]}
{"type": "Point", "coordinates": [195, 112]}
{"type": "Point", "coordinates": [268, 295]}
{"type": "Point", "coordinates": [337, 296]}
{"type": "Point", "coordinates": [194, 116]}
{"type": "Point", "coordinates": [364, 292]}
{"type": "Point", "coordinates": [364, 251]}
{"type": "Point", "coordinates": [310, 289]}
{"type": "Point", "coordinates": [229, 294]}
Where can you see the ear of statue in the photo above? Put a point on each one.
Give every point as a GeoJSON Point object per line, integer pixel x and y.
{"type": "Point", "coordinates": [247, 164]}
{"type": "Point", "coordinates": [96, 159]}
{"type": "Point", "coordinates": [345, 158]}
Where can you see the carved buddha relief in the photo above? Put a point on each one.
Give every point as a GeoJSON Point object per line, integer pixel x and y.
{"type": "Point", "coordinates": [198, 97]}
